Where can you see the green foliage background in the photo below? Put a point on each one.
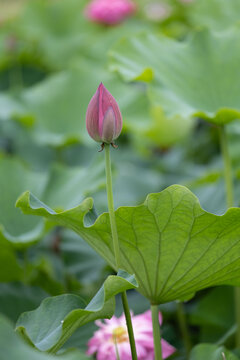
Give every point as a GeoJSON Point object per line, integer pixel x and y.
{"type": "Point", "coordinates": [169, 75]}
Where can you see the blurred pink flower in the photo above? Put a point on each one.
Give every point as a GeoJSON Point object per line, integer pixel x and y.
{"type": "Point", "coordinates": [109, 12]}
{"type": "Point", "coordinates": [113, 333]}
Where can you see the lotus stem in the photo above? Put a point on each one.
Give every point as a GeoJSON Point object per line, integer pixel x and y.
{"type": "Point", "coordinates": [156, 332]}
{"type": "Point", "coordinates": [116, 248]}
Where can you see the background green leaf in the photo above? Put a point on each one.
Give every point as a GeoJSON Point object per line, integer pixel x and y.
{"type": "Point", "coordinates": [215, 318]}
{"type": "Point", "coordinates": [16, 298]}
{"type": "Point", "coordinates": [211, 352]}
{"type": "Point", "coordinates": [216, 14]}
{"type": "Point", "coordinates": [72, 90]}
{"type": "Point", "coordinates": [61, 187]}
{"type": "Point", "coordinates": [57, 318]}
{"type": "Point", "coordinates": [80, 260]}
{"type": "Point", "coordinates": [12, 347]}
{"type": "Point", "coordinates": [15, 228]}
{"type": "Point", "coordinates": [196, 77]}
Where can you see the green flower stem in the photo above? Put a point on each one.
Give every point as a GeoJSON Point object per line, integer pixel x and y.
{"type": "Point", "coordinates": [229, 196]}
{"type": "Point", "coordinates": [111, 206]}
{"type": "Point", "coordinates": [116, 247]}
{"type": "Point", "coordinates": [184, 328]}
{"type": "Point", "coordinates": [156, 332]}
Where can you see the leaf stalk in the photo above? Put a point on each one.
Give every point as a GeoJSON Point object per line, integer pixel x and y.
{"type": "Point", "coordinates": [156, 333]}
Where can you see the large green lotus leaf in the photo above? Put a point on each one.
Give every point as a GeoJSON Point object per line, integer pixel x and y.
{"type": "Point", "coordinates": [195, 77]}
{"type": "Point", "coordinates": [49, 326]}
{"type": "Point", "coordinates": [211, 352]}
{"type": "Point", "coordinates": [61, 187]}
{"type": "Point", "coordinates": [12, 347]}
{"type": "Point", "coordinates": [215, 14]}
{"type": "Point", "coordinates": [170, 243]}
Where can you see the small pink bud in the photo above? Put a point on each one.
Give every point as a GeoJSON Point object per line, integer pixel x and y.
{"type": "Point", "coordinates": [103, 118]}
{"type": "Point", "coordinates": [109, 12]}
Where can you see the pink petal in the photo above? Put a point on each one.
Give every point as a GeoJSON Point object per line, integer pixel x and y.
{"type": "Point", "coordinates": [167, 349]}
{"type": "Point", "coordinates": [92, 116]}
{"type": "Point", "coordinates": [108, 129]}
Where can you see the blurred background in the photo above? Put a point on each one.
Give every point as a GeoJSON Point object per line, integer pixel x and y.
{"type": "Point", "coordinates": [52, 59]}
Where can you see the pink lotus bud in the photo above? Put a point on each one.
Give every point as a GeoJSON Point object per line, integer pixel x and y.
{"type": "Point", "coordinates": [103, 118]}
{"type": "Point", "coordinates": [109, 12]}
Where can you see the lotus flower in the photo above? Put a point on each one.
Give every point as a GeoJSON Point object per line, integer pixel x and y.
{"type": "Point", "coordinates": [109, 12]}
{"type": "Point", "coordinates": [113, 334]}
{"type": "Point", "coordinates": [103, 118]}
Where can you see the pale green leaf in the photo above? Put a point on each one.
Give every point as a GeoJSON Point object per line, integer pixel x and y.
{"type": "Point", "coordinates": [214, 14]}
{"type": "Point", "coordinates": [196, 77]}
{"type": "Point", "coordinates": [49, 326]}
{"type": "Point", "coordinates": [170, 243]}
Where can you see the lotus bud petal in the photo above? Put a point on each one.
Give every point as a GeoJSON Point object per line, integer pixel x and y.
{"type": "Point", "coordinates": [103, 118]}
{"type": "Point", "coordinates": [109, 12]}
